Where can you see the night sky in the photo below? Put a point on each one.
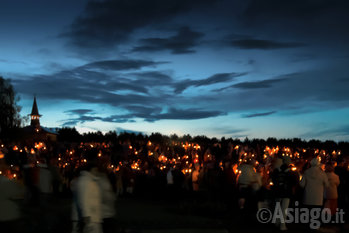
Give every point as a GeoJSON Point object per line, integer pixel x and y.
{"type": "Point", "coordinates": [238, 68]}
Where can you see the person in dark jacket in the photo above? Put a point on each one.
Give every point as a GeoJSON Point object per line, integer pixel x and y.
{"type": "Point", "coordinates": [284, 182]}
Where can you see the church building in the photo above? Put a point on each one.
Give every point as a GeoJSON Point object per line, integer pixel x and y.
{"type": "Point", "coordinates": [35, 131]}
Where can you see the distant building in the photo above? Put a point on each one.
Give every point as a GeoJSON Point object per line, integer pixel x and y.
{"type": "Point", "coordinates": [35, 131]}
{"type": "Point", "coordinates": [35, 116]}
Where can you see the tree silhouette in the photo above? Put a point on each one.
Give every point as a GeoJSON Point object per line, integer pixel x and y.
{"type": "Point", "coordinates": [68, 135]}
{"type": "Point", "coordinates": [10, 119]}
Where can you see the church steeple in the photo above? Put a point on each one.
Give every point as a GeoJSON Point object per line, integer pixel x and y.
{"type": "Point", "coordinates": [35, 116]}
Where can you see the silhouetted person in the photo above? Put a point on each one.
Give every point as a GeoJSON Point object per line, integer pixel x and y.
{"type": "Point", "coordinates": [283, 185]}
{"type": "Point", "coordinates": [10, 213]}
{"type": "Point", "coordinates": [331, 192]}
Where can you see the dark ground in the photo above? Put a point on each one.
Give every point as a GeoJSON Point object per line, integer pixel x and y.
{"type": "Point", "coordinates": [151, 215]}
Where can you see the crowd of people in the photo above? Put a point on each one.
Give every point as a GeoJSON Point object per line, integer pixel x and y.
{"type": "Point", "coordinates": [244, 177]}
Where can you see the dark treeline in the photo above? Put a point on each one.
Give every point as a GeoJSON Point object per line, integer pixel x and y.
{"type": "Point", "coordinates": [71, 135]}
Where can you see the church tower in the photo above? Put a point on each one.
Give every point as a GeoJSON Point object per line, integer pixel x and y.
{"type": "Point", "coordinates": [35, 116]}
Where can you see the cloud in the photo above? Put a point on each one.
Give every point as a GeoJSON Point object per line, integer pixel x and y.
{"type": "Point", "coordinates": [121, 64]}
{"type": "Point", "coordinates": [122, 130]}
{"type": "Point", "coordinates": [70, 123]}
{"type": "Point", "coordinates": [254, 85]}
{"type": "Point", "coordinates": [182, 42]}
{"type": "Point", "coordinates": [186, 114]}
{"type": "Point", "coordinates": [264, 44]}
{"type": "Point", "coordinates": [293, 8]}
{"type": "Point", "coordinates": [336, 133]}
{"type": "Point", "coordinates": [156, 113]}
{"type": "Point", "coordinates": [152, 78]}
{"type": "Point", "coordinates": [91, 86]}
{"type": "Point", "coordinates": [12, 62]}
{"type": "Point", "coordinates": [79, 111]}
{"type": "Point", "coordinates": [259, 114]}
{"type": "Point", "coordinates": [298, 18]}
{"type": "Point", "coordinates": [150, 114]}
{"type": "Point", "coordinates": [227, 130]}
{"type": "Point", "coordinates": [103, 24]}
{"type": "Point", "coordinates": [214, 79]}
{"type": "Point", "coordinates": [294, 93]}
{"type": "Point", "coordinates": [82, 117]}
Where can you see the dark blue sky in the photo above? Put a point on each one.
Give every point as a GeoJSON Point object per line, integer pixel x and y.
{"type": "Point", "coordinates": [257, 68]}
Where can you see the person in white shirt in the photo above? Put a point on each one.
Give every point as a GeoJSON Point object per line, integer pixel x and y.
{"type": "Point", "coordinates": [314, 182]}
{"type": "Point", "coordinates": [108, 198]}
{"type": "Point", "coordinates": [88, 196]}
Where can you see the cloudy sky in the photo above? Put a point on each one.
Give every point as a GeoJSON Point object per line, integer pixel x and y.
{"type": "Point", "coordinates": [235, 68]}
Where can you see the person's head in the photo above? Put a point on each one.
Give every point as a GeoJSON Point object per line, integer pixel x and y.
{"type": "Point", "coordinates": [278, 163]}
{"type": "Point", "coordinates": [197, 167]}
{"type": "Point", "coordinates": [91, 157]}
{"type": "Point", "coordinates": [287, 160]}
{"type": "Point", "coordinates": [260, 169]}
{"type": "Point", "coordinates": [329, 167]}
{"type": "Point", "coordinates": [315, 162]}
